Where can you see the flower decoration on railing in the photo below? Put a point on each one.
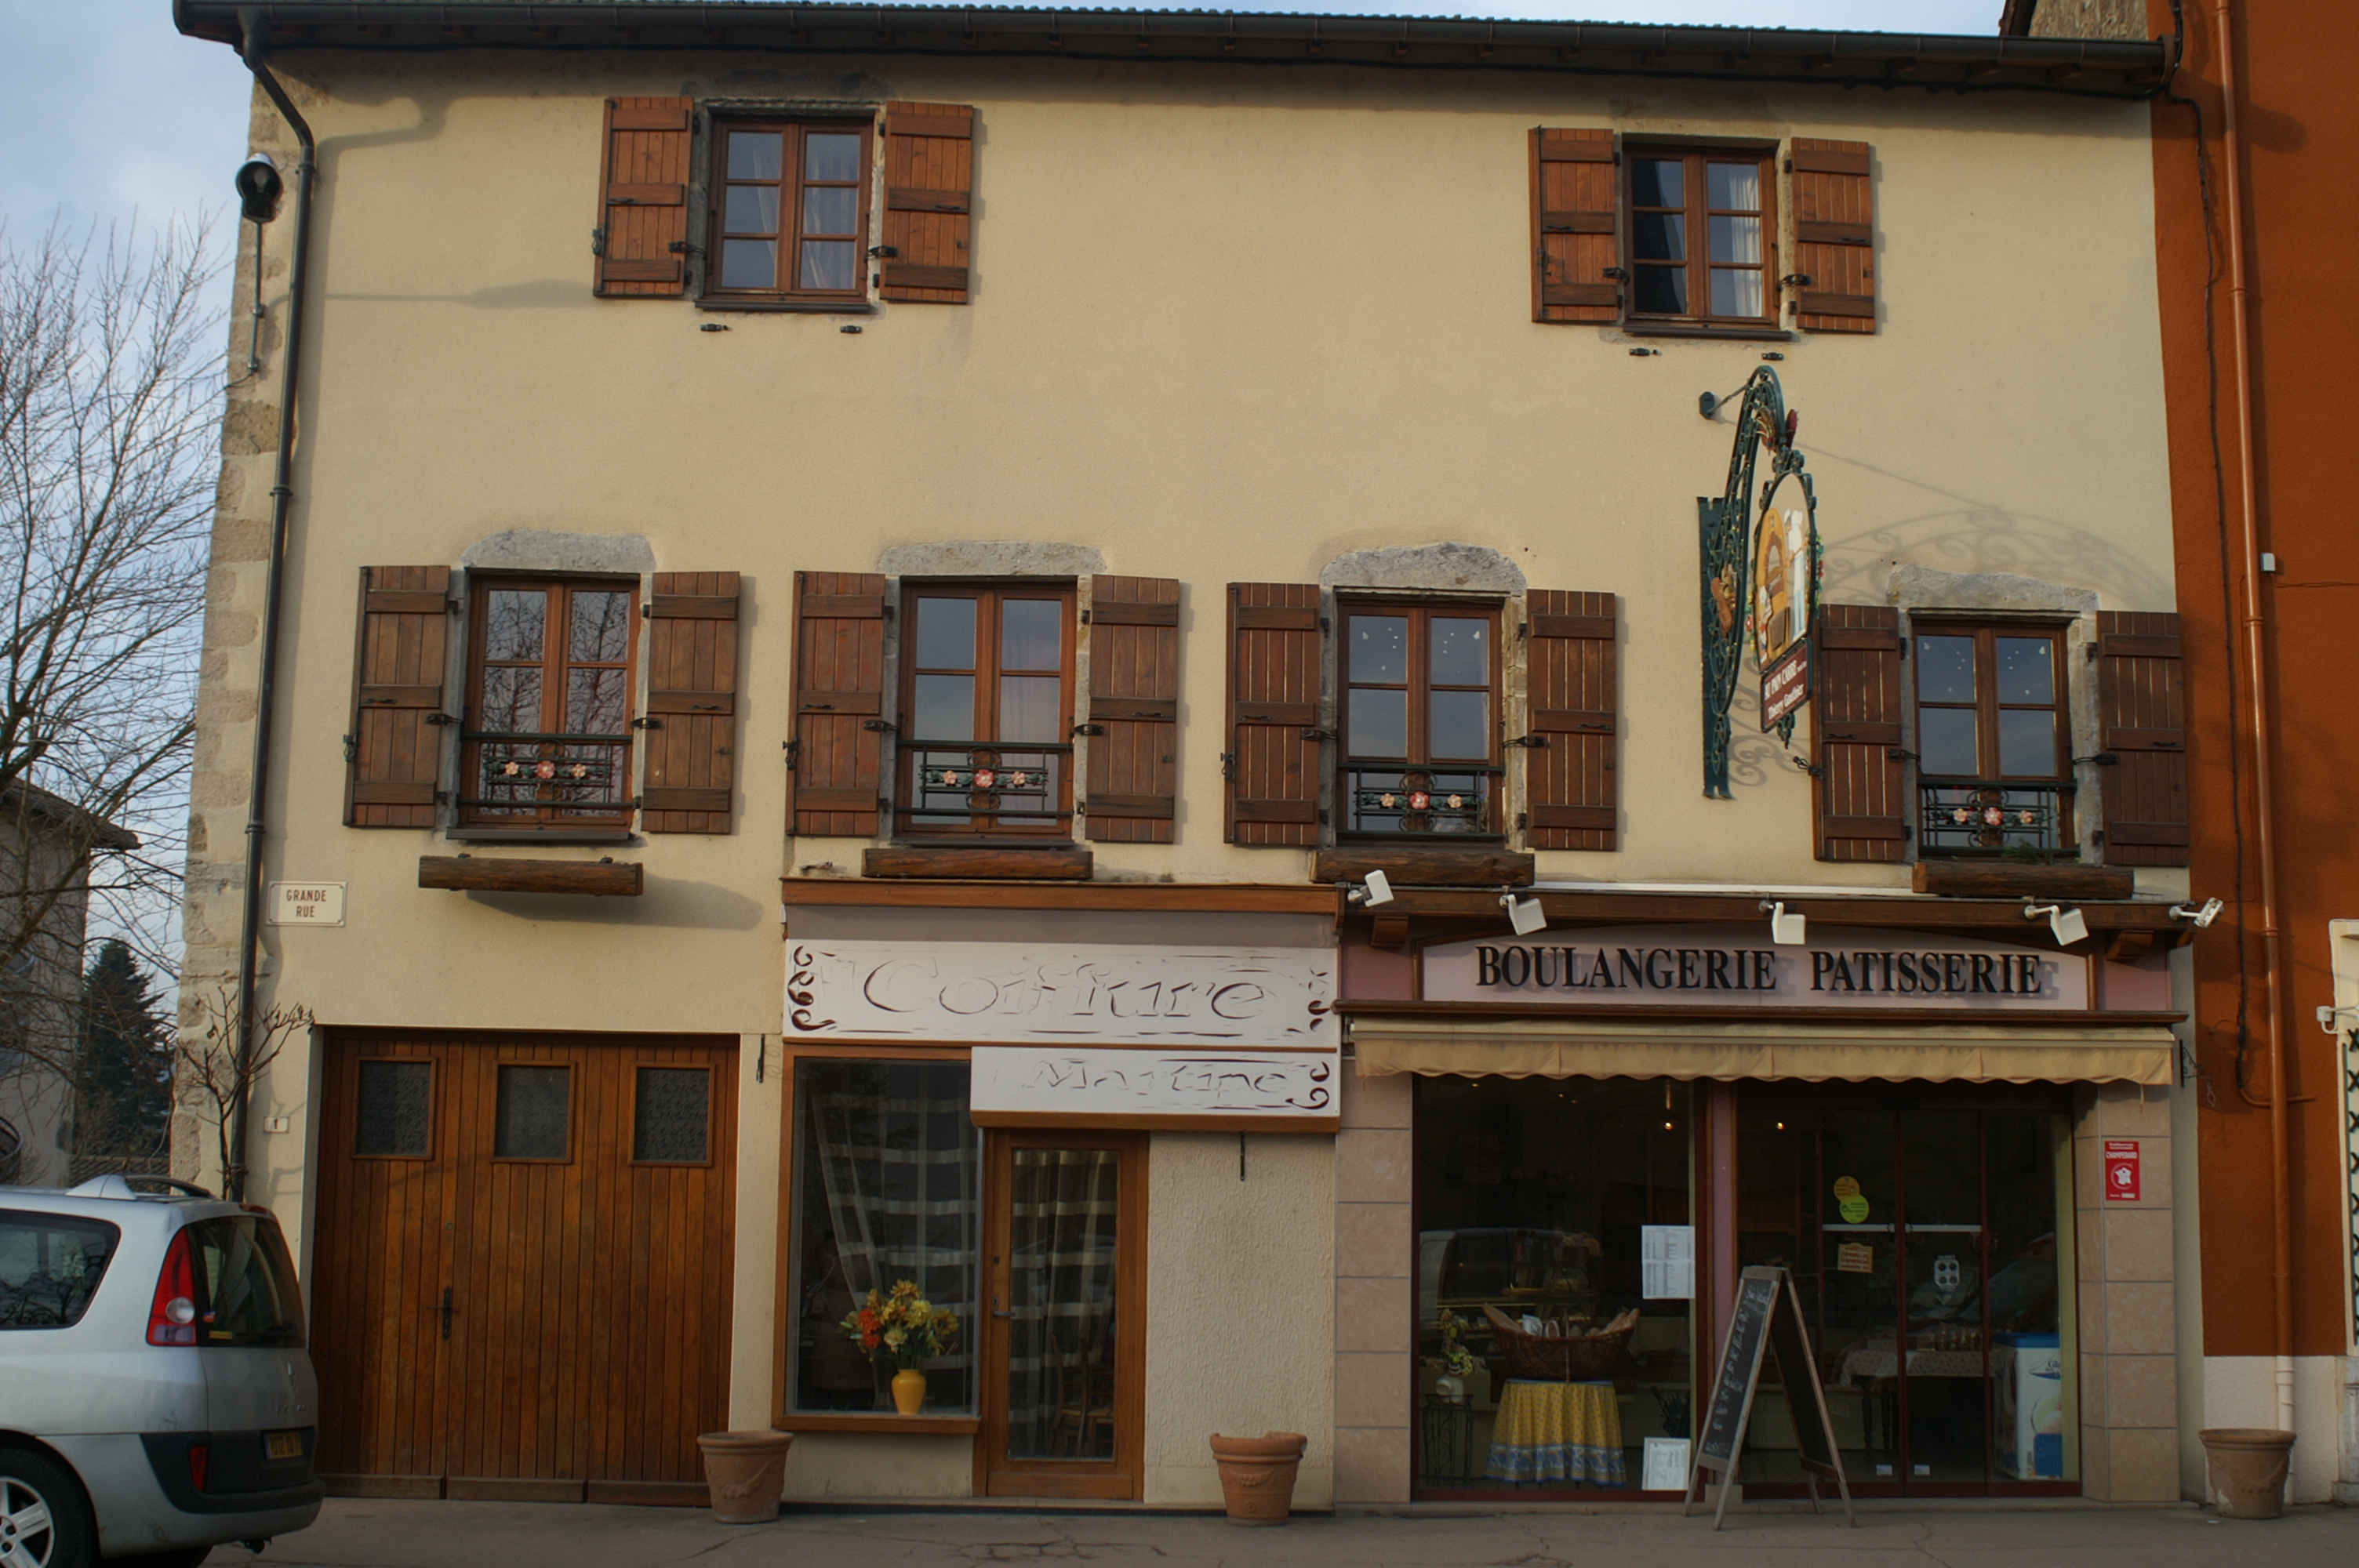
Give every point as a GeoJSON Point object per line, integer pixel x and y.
{"type": "Point", "coordinates": [1398, 802]}
{"type": "Point", "coordinates": [1996, 816]}
{"type": "Point", "coordinates": [981, 779]}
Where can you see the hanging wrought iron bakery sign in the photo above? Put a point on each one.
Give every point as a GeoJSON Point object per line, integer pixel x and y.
{"type": "Point", "coordinates": [1760, 567]}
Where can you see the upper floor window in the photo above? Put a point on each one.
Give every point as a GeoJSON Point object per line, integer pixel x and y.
{"type": "Point", "coordinates": [1702, 229]}
{"type": "Point", "coordinates": [987, 710]}
{"type": "Point", "coordinates": [1993, 739]}
{"type": "Point", "coordinates": [790, 210]}
{"type": "Point", "coordinates": [1421, 713]}
{"type": "Point", "coordinates": [548, 739]}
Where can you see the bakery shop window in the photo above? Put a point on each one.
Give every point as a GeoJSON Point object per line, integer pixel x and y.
{"type": "Point", "coordinates": [1555, 1284]}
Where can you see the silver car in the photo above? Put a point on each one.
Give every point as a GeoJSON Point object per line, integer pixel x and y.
{"type": "Point", "coordinates": [156, 1397]}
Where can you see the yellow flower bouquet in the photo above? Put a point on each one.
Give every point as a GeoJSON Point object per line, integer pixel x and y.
{"type": "Point", "coordinates": [903, 1325]}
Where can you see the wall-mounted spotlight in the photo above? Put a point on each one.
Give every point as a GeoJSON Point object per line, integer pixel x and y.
{"type": "Point", "coordinates": [2066, 924]}
{"type": "Point", "coordinates": [258, 189]}
{"type": "Point", "coordinates": [1785, 930]}
{"type": "Point", "coordinates": [1376, 890]}
{"type": "Point", "coordinates": [2201, 917]}
{"type": "Point", "coordinates": [2328, 1017]}
{"type": "Point", "coordinates": [1523, 913]}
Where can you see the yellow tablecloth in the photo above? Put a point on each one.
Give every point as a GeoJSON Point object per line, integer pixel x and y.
{"type": "Point", "coordinates": [1557, 1432]}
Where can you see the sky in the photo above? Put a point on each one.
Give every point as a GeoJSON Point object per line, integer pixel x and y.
{"type": "Point", "coordinates": [110, 115]}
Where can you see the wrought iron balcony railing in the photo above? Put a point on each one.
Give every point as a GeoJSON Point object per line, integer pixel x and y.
{"type": "Point", "coordinates": [1425, 803]}
{"type": "Point", "coordinates": [976, 787]}
{"type": "Point", "coordinates": [525, 775]}
{"type": "Point", "coordinates": [1983, 818]}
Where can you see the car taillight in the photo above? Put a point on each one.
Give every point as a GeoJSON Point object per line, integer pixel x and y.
{"type": "Point", "coordinates": [199, 1461]}
{"type": "Point", "coordinates": [173, 1318]}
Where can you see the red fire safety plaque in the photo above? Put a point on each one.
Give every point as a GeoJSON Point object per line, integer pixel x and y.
{"type": "Point", "coordinates": [2121, 1170]}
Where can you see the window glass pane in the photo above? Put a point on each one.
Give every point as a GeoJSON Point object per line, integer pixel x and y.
{"type": "Point", "coordinates": [511, 699]}
{"type": "Point", "coordinates": [754, 154]}
{"type": "Point", "coordinates": [1659, 290]}
{"type": "Point", "coordinates": [1377, 723]}
{"type": "Point", "coordinates": [1736, 291]}
{"type": "Point", "coordinates": [1028, 708]}
{"type": "Point", "coordinates": [831, 155]}
{"type": "Point", "coordinates": [673, 1117]}
{"type": "Point", "coordinates": [886, 1189]}
{"type": "Point", "coordinates": [2026, 742]}
{"type": "Point", "coordinates": [1380, 648]}
{"type": "Point", "coordinates": [752, 209]}
{"type": "Point", "coordinates": [830, 263]}
{"type": "Point", "coordinates": [1460, 724]}
{"type": "Point", "coordinates": [531, 1116]}
{"type": "Point", "coordinates": [1029, 635]}
{"type": "Point", "coordinates": [1732, 186]}
{"type": "Point", "coordinates": [1945, 742]}
{"type": "Point", "coordinates": [749, 263]}
{"type": "Point", "coordinates": [512, 622]}
{"type": "Point", "coordinates": [946, 634]}
{"type": "Point", "coordinates": [831, 210]}
{"type": "Point", "coordinates": [49, 1268]}
{"type": "Point", "coordinates": [945, 708]}
{"type": "Point", "coordinates": [1063, 1225]}
{"type": "Point", "coordinates": [1659, 236]}
{"type": "Point", "coordinates": [245, 1283]}
{"type": "Point", "coordinates": [1945, 669]}
{"type": "Point", "coordinates": [2026, 669]}
{"type": "Point", "coordinates": [1657, 182]}
{"type": "Point", "coordinates": [1736, 240]}
{"type": "Point", "coordinates": [1544, 1199]}
{"type": "Point", "coordinates": [1460, 651]}
{"type": "Point", "coordinates": [595, 702]}
{"type": "Point", "coordinates": [601, 627]}
{"type": "Point", "coordinates": [394, 1107]}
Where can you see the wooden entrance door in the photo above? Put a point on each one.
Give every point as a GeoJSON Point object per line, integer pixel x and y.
{"type": "Point", "coordinates": [1064, 1345]}
{"type": "Point", "coordinates": [521, 1262]}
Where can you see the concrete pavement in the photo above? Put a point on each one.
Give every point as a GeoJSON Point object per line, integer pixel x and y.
{"type": "Point", "coordinates": [379, 1533]}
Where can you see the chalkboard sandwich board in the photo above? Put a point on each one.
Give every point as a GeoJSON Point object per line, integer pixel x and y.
{"type": "Point", "coordinates": [1767, 1317]}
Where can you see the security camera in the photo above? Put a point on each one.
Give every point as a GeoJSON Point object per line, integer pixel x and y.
{"type": "Point", "coordinates": [258, 189]}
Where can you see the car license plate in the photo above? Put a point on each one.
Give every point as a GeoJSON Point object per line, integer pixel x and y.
{"type": "Point", "coordinates": [282, 1445]}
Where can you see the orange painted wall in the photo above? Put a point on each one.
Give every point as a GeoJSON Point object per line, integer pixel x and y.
{"type": "Point", "coordinates": [2301, 141]}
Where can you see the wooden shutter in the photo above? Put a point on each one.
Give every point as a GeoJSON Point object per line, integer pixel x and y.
{"type": "Point", "coordinates": [1133, 709]}
{"type": "Point", "coordinates": [1576, 243]}
{"type": "Point", "coordinates": [691, 724]}
{"type": "Point", "coordinates": [1834, 234]}
{"type": "Point", "coordinates": [2142, 724]}
{"type": "Point", "coordinates": [1277, 648]}
{"type": "Point", "coordinates": [929, 197]}
{"type": "Point", "coordinates": [1571, 789]}
{"type": "Point", "coordinates": [394, 754]}
{"type": "Point", "coordinates": [643, 197]}
{"type": "Point", "coordinates": [1858, 785]}
{"type": "Point", "coordinates": [833, 764]}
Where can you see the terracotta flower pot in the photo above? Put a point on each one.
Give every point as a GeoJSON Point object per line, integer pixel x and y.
{"type": "Point", "coordinates": [745, 1472]}
{"type": "Point", "coordinates": [908, 1391]}
{"type": "Point", "coordinates": [1258, 1475]}
{"type": "Point", "coordinates": [2247, 1466]}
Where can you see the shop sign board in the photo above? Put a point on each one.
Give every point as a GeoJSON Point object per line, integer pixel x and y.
{"type": "Point", "coordinates": [1106, 1086]}
{"type": "Point", "coordinates": [2121, 1170]}
{"type": "Point", "coordinates": [1016, 992]}
{"type": "Point", "coordinates": [1766, 1320]}
{"type": "Point", "coordinates": [1785, 549]}
{"type": "Point", "coordinates": [1737, 966]}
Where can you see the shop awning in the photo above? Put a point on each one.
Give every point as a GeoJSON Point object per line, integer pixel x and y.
{"type": "Point", "coordinates": [1624, 1048]}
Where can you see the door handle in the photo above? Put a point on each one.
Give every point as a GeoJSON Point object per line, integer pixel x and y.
{"type": "Point", "coordinates": [446, 1312]}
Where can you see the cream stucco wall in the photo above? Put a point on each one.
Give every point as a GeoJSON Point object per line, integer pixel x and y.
{"type": "Point", "coordinates": [1226, 325]}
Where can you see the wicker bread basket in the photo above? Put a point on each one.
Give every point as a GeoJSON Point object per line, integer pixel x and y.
{"type": "Point", "coordinates": [1561, 1360]}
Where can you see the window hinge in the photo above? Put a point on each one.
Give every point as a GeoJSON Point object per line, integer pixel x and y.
{"type": "Point", "coordinates": [352, 747]}
{"type": "Point", "coordinates": [1089, 730]}
{"type": "Point", "coordinates": [888, 607]}
{"type": "Point", "coordinates": [1895, 754]}
{"type": "Point", "coordinates": [2092, 650]}
{"type": "Point", "coordinates": [793, 750]}
{"type": "Point", "coordinates": [1535, 741]}
{"type": "Point", "coordinates": [1324, 626]}
{"type": "Point", "coordinates": [1229, 765]}
{"type": "Point", "coordinates": [685, 248]}
{"type": "Point", "coordinates": [2102, 760]}
{"type": "Point", "coordinates": [884, 252]}
{"type": "Point", "coordinates": [650, 722]}
{"type": "Point", "coordinates": [880, 726]}
{"type": "Point", "coordinates": [1322, 817]}
{"type": "Point", "coordinates": [1322, 735]}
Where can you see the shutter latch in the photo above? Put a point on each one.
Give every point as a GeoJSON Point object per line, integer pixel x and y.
{"type": "Point", "coordinates": [794, 752]}
{"type": "Point", "coordinates": [650, 722]}
{"type": "Point", "coordinates": [1319, 735]}
{"type": "Point", "coordinates": [352, 747]}
{"type": "Point", "coordinates": [441, 719]}
{"type": "Point", "coordinates": [1229, 765]}
{"type": "Point", "coordinates": [1812, 769]}
{"type": "Point", "coordinates": [685, 248]}
{"type": "Point", "coordinates": [1895, 754]}
{"type": "Point", "coordinates": [880, 726]}
{"type": "Point", "coordinates": [2102, 760]}
{"type": "Point", "coordinates": [1089, 730]}
{"type": "Point", "coordinates": [884, 252]}
{"type": "Point", "coordinates": [597, 241]}
{"type": "Point", "coordinates": [1536, 742]}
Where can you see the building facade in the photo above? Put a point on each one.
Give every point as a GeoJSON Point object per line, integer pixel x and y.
{"type": "Point", "coordinates": [1034, 654]}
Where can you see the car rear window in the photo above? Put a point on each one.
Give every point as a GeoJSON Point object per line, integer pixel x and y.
{"type": "Point", "coordinates": [50, 1267]}
{"type": "Point", "coordinates": [245, 1283]}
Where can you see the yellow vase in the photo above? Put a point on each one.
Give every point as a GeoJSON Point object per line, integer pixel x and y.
{"type": "Point", "coordinates": [908, 1391]}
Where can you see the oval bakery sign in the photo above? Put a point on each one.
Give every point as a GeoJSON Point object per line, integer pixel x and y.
{"type": "Point", "coordinates": [1737, 966]}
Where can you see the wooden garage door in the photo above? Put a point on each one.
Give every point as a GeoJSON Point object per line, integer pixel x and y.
{"type": "Point", "coordinates": [521, 1260]}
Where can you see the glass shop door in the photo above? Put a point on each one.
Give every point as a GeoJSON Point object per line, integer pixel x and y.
{"type": "Point", "coordinates": [1064, 1351]}
{"type": "Point", "coordinates": [1925, 1243]}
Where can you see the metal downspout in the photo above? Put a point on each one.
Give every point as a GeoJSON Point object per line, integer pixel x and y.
{"type": "Point", "coordinates": [257, 799]}
{"type": "Point", "coordinates": [2257, 674]}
